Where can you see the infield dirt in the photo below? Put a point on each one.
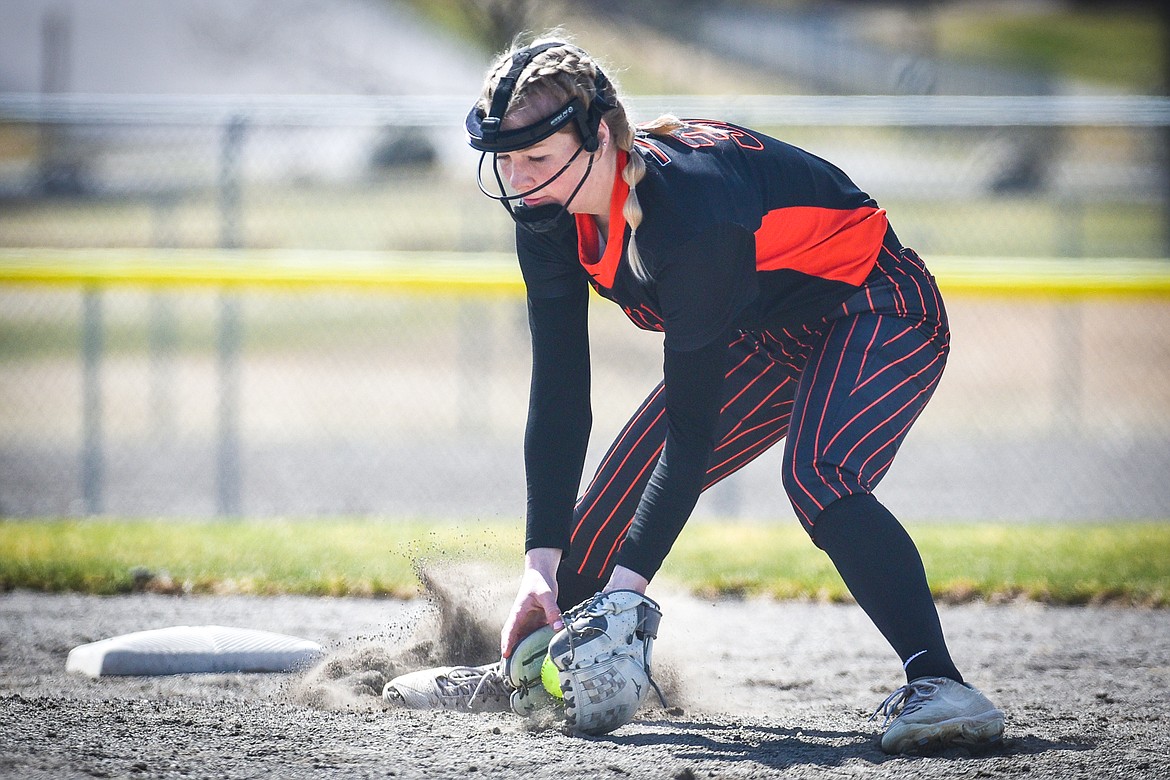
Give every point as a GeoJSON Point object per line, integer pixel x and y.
{"type": "Point", "coordinates": [755, 689]}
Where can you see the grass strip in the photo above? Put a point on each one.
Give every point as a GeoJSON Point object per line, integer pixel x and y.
{"type": "Point", "coordinates": [1122, 563]}
{"type": "Point", "coordinates": [1126, 563]}
{"type": "Point", "coordinates": [269, 557]}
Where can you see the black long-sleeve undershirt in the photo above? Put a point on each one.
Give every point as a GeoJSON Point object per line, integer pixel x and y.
{"type": "Point", "coordinates": [559, 421]}
{"type": "Point", "coordinates": [559, 415]}
{"type": "Point", "coordinates": [693, 382]}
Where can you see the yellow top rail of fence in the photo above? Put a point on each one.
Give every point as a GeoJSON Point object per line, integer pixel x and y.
{"type": "Point", "coordinates": [419, 272]}
{"type": "Point", "coordinates": [496, 273]}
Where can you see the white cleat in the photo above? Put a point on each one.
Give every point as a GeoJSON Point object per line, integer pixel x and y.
{"type": "Point", "coordinates": [467, 688]}
{"type": "Point", "coordinates": [933, 713]}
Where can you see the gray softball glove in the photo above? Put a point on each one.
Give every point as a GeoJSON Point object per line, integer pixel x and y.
{"type": "Point", "coordinates": [602, 659]}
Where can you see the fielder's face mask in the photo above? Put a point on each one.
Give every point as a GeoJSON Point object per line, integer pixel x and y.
{"type": "Point", "coordinates": [485, 135]}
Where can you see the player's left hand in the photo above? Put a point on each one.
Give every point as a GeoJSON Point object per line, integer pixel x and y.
{"type": "Point", "coordinates": [626, 579]}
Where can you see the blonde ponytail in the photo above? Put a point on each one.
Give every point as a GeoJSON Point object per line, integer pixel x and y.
{"type": "Point", "coordinates": [633, 173]}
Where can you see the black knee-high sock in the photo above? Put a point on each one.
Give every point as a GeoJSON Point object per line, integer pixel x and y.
{"type": "Point", "coordinates": [881, 567]}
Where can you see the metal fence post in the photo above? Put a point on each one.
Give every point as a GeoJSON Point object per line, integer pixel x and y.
{"type": "Point", "coordinates": [228, 341]}
{"type": "Point", "coordinates": [92, 466]}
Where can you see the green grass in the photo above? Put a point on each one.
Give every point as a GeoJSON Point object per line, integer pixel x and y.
{"type": "Point", "coordinates": [343, 558]}
{"type": "Point", "coordinates": [1116, 46]}
{"type": "Point", "coordinates": [1113, 44]}
{"type": "Point", "coordinates": [1060, 564]}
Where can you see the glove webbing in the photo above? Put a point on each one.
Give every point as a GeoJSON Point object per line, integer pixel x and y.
{"type": "Point", "coordinates": [648, 620]}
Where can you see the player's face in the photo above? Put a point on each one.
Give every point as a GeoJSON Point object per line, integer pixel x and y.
{"type": "Point", "coordinates": [530, 167]}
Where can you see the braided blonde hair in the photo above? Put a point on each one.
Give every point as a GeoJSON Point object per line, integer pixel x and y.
{"type": "Point", "coordinates": [556, 76]}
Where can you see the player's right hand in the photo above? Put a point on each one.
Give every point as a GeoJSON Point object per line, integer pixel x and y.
{"type": "Point", "coordinates": [536, 600]}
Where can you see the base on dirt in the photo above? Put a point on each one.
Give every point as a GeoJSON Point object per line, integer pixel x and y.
{"type": "Point", "coordinates": [189, 649]}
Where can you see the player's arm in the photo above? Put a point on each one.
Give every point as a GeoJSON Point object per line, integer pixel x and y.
{"type": "Point", "coordinates": [702, 290]}
{"type": "Point", "coordinates": [693, 382]}
{"type": "Point", "coordinates": [555, 440]}
{"type": "Point", "coordinates": [559, 419]}
{"type": "Point", "coordinates": [559, 416]}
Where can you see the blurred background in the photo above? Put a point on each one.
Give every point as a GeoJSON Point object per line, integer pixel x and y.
{"type": "Point", "coordinates": [245, 269]}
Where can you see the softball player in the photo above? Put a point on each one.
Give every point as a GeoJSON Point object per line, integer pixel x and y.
{"type": "Point", "coordinates": [790, 312]}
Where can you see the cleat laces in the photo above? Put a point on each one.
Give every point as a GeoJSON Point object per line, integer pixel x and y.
{"type": "Point", "coordinates": [905, 700]}
{"type": "Point", "coordinates": [491, 682]}
{"type": "Point", "coordinates": [476, 682]}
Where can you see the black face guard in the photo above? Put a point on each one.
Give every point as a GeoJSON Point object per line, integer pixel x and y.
{"type": "Point", "coordinates": [485, 135]}
{"type": "Point", "coordinates": [540, 219]}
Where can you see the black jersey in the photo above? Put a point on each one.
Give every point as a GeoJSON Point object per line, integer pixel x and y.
{"type": "Point", "coordinates": [739, 232]}
{"type": "Point", "coordinates": [739, 229]}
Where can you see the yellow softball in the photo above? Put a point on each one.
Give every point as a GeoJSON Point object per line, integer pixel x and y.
{"type": "Point", "coordinates": [550, 678]}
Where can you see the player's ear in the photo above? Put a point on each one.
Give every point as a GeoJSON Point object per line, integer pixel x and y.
{"type": "Point", "coordinates": [603, 136]}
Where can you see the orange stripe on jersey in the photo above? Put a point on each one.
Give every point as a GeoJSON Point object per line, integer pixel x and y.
{"type": "Point", "coordinates": [837, 244]}
{"type": "Point", "coordinates": [604, 269]}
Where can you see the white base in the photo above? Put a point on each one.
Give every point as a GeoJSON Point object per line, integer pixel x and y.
{"type": "Point", "coordinates": [187, 649]}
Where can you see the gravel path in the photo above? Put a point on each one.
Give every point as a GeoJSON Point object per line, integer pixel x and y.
{"type": "Point", "coordinates": [756, 688]}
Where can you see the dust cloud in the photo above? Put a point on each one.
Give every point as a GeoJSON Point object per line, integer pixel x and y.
{"type": "Point", "coordinates": [456, 623]}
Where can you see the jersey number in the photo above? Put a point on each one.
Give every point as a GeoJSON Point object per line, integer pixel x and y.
{"type": "Point", "coordinates": [709, 133]}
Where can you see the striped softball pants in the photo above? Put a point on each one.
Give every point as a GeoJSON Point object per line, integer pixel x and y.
{"type": "Point", "coordinates": [842, 395]}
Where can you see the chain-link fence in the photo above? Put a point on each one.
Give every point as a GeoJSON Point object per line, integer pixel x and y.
{"type": "Point", "coordinates": [1065, 177]}
{"type": "Point", "coordinates": [128, 394]}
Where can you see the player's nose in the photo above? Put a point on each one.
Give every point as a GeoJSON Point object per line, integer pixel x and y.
{"type": "Point", "coordinates": [523, 175]}
{"type": "Point", "coordinates": [519, 178]}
